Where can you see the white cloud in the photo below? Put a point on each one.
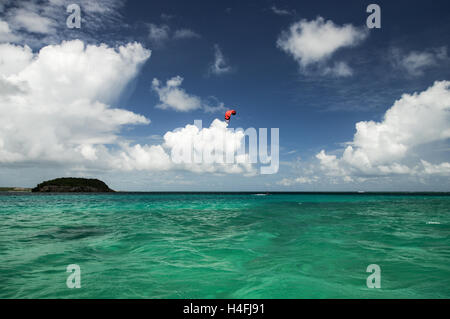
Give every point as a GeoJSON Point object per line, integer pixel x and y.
{"type": "Point", "coordinates": [200, 143]}
{"type": "Point", "coordinates": [315, 41]}
{"type": "Point", "coordinates": [386, 147]}
{"type": "Point", "coordinates": [297, 180]}
{"type": "Point", "coordinates": [339, 69]}
{"type": "Point", "coordinates": [99, 6]}
{"type": "Point", "coordinates": [142, 157]}
{"type": "Point", "coordinates": [158, 34]}
{"type": "Point", "coordinates": [14, 59]}
{"type": "Point", "coordinates": [61, 110]}
{"type": "Point", "coordinates": [193, 142]}
{"type": "Point", "coordinates": [441, 169]}
{"type": "Point", "coordinates": [219, 66]}
{"type": "Point", "coordinates": [185, 34]}
{"type": "Point", "coordinates": [173, 96]}
{"type": "Point", "coordinates": [33, 22]}
{"type": "Point", "coordinates": [280, 12]}
{"type": "Point", "coordinates": [4, 27]}
{"type": "Point", "coordinates": [6, 35]}
{"type": "Point", "coordinates": [330, 163]}
{"type": "Point", "coordinates": [38, 23]}
{"type": "Point", "coordinates": [55, 108]}
{"type": "Point", "coordinates": [415, 62]}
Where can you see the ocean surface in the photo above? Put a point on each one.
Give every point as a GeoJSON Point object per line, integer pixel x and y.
{"type": "Point", "coordinates": [144, 245]}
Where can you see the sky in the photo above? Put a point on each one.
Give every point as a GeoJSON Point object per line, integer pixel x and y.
{"type": "Point", "coordinates": [356, 108]}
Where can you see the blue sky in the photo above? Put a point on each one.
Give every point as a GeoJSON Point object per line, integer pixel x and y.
{"type": "Point", "coordinates": [230, 54]}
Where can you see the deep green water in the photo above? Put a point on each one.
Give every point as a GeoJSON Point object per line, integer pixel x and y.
{"type": "Point", "coordinates": [224, 246]}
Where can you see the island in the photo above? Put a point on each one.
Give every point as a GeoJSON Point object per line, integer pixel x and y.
{"type": "Point", "coordinates": [72, 185]}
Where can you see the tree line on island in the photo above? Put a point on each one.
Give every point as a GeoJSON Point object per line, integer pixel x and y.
{"type": "Point", "coordinates": [72, 185]}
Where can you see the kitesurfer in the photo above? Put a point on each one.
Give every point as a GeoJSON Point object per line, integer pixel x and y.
{"type": "Point", "coordinates": [228, 115]}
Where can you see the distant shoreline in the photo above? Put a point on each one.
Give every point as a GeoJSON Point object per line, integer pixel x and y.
{"type": "Point", "coordinates": [28, 190]}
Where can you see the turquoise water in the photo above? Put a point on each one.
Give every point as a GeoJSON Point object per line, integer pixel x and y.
{"type": "Point", "coordinates": [224, 245]}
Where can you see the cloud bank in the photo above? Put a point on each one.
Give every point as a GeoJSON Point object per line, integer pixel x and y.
{"type": "Point", "coordinates": [392, 146]}
{"type": "Point", "coordinates": [56, 108]}
{"type": "Point", "coordinates": [55, 104]}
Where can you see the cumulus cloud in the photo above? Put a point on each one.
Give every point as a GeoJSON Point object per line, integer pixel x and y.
{"type": "Point", "coordinates": [441, 169]}
{"type": "Point", "coordinates": [173, 96]}
{"type": "Point", "coordinates": [59, 109]}
{"type": "Point", "coordinates": [415, 63]}
{"type": "Point", "coordinates": [386, 147]}
{"type": "Point", "coordinates": [141, 158]}
{"type": "Point", "coordinates": [190, 148]}
{"type": "Point", "coordinates": [314, 42]}
{"type": "Point", "coordinates": [205, 149]}
{"type": "Point", "coordinates": [220, 65]}
{"type": "Point", "coordinates": [13, 59]}
{"type": "Point", "coordinates": [56, 109]}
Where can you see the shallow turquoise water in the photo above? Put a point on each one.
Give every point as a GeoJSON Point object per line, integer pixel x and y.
{"type": "Point", "coordinates": [224, 246]}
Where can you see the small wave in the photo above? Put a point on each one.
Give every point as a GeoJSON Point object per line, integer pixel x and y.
{"type": "Point", "coordinates": [260, 194]}
{"type": "Point", "coordinates": [433, 223]}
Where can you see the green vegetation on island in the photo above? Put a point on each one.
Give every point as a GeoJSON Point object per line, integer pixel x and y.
{"type": "Point", "coordinates": [73, 185]}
